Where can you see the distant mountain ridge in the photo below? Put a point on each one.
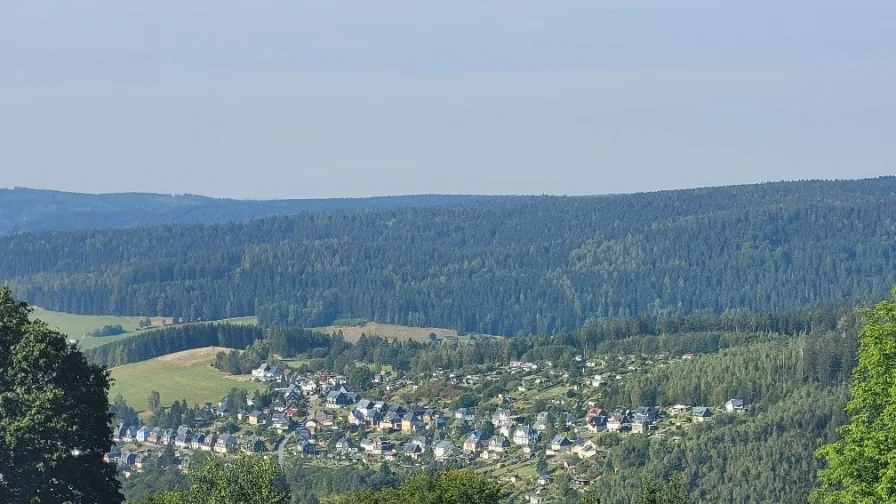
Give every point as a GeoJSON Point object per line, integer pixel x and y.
{"type": "Point", "coordinates": [24, 210]}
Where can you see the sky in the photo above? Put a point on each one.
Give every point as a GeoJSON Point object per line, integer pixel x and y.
{"type": "Point", "coordinates": [308, 99]}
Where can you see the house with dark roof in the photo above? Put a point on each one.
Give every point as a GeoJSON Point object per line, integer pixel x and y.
{"type": "Point", "coordinates": [292, 393]}
{"type": "Point", "coordinates": [475, 442]}
{"type": "Point", "coordinates": [257, 418]}
{"type": "Point", "coordinates": [183, 441]}
{"type": "Point", "coordinates": [255, 445]}
{"type": "Point", "coordinates": [127, 459]}
{"type": "Point", "coordinates": [411, 423]}
{"type": "Point", "coordinates": [560, 444]}
{"type": "Point", "coordinates": [619, 423]}
{"type": "Point", "coordinates": [596, 423]}
{"type": "Point", "coordinates": [525, 435]}
{"type": "Point", "coordinates": [223, 407]}
{"type": "Point", "coordinates": [341, 397]}
{"type": "Point", "coordinates": [444, 449]}
{"type": "Point", "coordinates": [701, 414]}
{"type": "Point", "coordinates": [498, 444]}
{"type": "Point", "coordinates": [209, 443]}
{"type": "Point", "coordinates": [306, 447]}
{"type": "Point", "coordinates": [415, 448]}
{"type": "Point", "coordinates": [390, 421]}
{"type": "Point", "coordinates": [142, 435]}
{"type": "Point", "coordinates": [503, 417]}
{"type": "Point", "coordinates": [345, 446]}
{"type": "Point", "coordinates": [646, 413]}
{"type": "Point", "coordinates": [225, 443]}
{"type": "Point", "coordinates": [380, 446]}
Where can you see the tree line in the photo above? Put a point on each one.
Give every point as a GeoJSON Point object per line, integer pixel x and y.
{"type": "Point", "coordinates": [158, 342]}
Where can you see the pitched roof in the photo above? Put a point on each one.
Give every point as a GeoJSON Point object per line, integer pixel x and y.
{"type": "Point", "coordinates": [701, 411]}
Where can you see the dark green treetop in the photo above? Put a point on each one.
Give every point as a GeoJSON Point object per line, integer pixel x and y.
{"type": "Point", "coordinates": [55, 424]}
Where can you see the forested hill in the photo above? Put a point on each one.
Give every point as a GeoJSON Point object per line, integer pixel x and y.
{"type": "Point", "coordinates": [534, 265]}
{"type": "Point", "coordinates": [34, 210]}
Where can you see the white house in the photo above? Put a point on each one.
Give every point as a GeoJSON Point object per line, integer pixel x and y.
{"type": "Point", "coordinates": [734, 406]}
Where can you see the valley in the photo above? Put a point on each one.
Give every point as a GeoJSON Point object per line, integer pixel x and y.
{"type": "Point", "coordinates": [560, 347]}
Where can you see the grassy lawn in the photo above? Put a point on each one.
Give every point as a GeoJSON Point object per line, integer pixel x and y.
{"type": "Point", "coordinates": [523, 469]}
{"type": "Point", "coordinates": [294, 363]}
{"type": "Point", "coordinates": [374, 367]}
{"type": "Point", "coordinates": [183, 375]}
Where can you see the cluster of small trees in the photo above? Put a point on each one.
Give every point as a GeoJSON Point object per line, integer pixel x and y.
{"type": "Point", "coordinates": [108, 330]}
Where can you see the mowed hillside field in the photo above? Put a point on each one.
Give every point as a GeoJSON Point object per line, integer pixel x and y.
{"type": "Point", "coordinates": [353, 333]}
{"type": "Point", "coordinates": [182, 375]}
{"type": "Point", "coordinates": [78, 327]}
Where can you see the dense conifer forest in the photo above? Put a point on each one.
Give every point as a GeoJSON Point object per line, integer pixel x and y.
{"type": "Point", "coordinates": [502, 266]}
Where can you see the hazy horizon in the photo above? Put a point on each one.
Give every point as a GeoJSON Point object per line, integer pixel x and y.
{"type": "Point", "coordinates": [310, 100]}
{"type": "Point", "coordinates": [783, 181]}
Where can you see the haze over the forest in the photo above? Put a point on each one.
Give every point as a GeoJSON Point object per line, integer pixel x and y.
{"type": "Point", "coordinates": [308, 100]}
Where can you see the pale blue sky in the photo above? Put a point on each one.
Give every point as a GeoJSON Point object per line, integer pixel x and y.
{"type": "Point", "coordinates": [269, 99]}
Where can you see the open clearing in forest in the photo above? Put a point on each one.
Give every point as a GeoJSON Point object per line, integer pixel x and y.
{"type": "Point", "coordinates": [391, 331]}
{"type": "Point", "coordinates": [182, 375]}
{"type": "Point", "coordinates": [78, 326]}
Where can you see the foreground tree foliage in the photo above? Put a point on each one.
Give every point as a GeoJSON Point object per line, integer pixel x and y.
{"type": "Point", "coordinates": [862, 464]}
{"type": "Point", "coordinates": [450, 487]}
{"type": "Point", "coordinates": [245, 480]}
{"type": "Point", "coordinates": [54, 420]}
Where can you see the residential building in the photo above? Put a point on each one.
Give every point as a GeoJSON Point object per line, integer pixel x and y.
{"type": "Point", "coordinates": [734, 406]}
{"type": "Point", "coordinates": [444, 449]}
{"type": "Point", "coordinates": [701, 414]}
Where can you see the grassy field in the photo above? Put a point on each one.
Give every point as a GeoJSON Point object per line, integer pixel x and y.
{"type": "Point", "coordinates": [183, 375]}
{"type": "Point", "coordinates": [78, 326]}
{"type": "Point", "coordinates": [391, 331]}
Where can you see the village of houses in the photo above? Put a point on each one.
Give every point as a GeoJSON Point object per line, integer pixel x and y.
{"type": "Point", "coordinates": [316, 416]}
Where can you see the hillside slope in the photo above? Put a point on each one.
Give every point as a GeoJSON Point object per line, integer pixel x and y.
{"type": "Point", "coordinates": [35, 210]}
{"type": "Point", "coordinates": [535, 264]}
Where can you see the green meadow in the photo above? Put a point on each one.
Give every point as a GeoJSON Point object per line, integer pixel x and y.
{"type": "Point", "coordinates": [183, 375]}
